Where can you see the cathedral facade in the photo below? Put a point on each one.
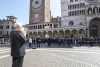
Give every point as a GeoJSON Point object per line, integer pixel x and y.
{"type": "Point", "coordinates": [81, 17]}
{"type": "Point", "coordinates": [78, 18]}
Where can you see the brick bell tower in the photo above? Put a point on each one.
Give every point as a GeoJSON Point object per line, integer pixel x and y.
{"type": "Point", "coordinates": [39, 11]}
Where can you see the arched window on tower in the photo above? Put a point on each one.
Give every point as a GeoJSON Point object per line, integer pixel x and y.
{"type": "Point", "coordinates": [89, 11]}
{"type": "Point", "coordinates": [95, 10]}
{"type": "Point", "coordinates": [71, 23]}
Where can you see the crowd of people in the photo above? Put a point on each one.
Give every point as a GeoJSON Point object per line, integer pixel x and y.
{"type": "Point", "coordinates": [4, 40]}
{"type": "Point", "coordinates": [65, 41]}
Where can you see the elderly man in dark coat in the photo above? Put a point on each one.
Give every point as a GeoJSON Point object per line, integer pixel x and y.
{"type": "Point", "coordinates": [18, 39]}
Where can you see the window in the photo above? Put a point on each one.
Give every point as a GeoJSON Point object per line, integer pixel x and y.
{"type": "Point", "coordinates": [80, 5]}
{"type": "Point", "coordinates": [71, 0]}
{"type": "Point", "coordinates": [1, 32]}
{"type": "Point", "coordinates": [80, 12]}
{"type": "Point", "coordinates": [84, 11]}
{"type": "Point", "coordinates": [7, 27]}
{"type": "Point", "coordinates": [69, 13]}
{"type": "Point", "coordinates": [71, 23]}
{"type": "Point", "coordinates": [76, 0]}
{"type": "Point", "coordinates": [75, 5]}
{"type": "Point", "coordinates": [80, 23]}
{"type": "Point", "coordinates": [70, 6]}
{"type": "Point", "coordinates": [99, 9]}
{"type": "Point", "coordinates": [1, 27]}
{"type": "Point", "coordinates": [75, 12]}
{"type": "Point", "coordinates": [83, 4]}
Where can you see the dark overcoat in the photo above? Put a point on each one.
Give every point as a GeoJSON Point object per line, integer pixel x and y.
{"type": "Point", "coordinates": [17, 43]}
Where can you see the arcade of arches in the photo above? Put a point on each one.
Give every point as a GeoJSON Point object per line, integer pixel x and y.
{"type": "Point", "coordinates": [60, 33]}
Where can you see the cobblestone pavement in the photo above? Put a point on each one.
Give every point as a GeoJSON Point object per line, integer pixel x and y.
{"type": "Point", "coordinates": [55, 56]}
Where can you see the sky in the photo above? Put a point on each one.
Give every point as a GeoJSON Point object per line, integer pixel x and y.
{"type": "Point", "coordinates": [20, 9]}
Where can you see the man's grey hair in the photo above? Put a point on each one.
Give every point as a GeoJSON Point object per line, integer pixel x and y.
{"type": "Point", "coordinates": [17, 24]}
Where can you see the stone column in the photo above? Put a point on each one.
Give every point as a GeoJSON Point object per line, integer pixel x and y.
{"type": "Point", "coordinates": [64, 33]}
{"type": "Point", "coordinates": [52, 34]}
{"type": "Point", "coordinates": [52, 25]}
{"type": "Point", "coordinates": [77, 33]}
{"type": "Point", "coordinates": [58, 33]}
{"type": "Point", "coordinates": [70, 32]}
{"type": "Point", "coordinates": [88, 33]}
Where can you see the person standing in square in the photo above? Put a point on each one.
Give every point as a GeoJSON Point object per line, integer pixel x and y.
{"type": "Point", "coordinates": [17, 38]}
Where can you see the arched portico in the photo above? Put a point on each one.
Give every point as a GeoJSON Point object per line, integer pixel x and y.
{"type": "Point", "coordinates": [44, 34]}
{"type": "Point", "coordinates": [61, 33]}
{"type": "Point", "coordinates": [55, 34]}
{"type": "Point", "coordinates": [94, 27]}
{"type": "Point", "coordinates": [30, 34]}
{"type": "Point", "coordinates": [35, 34]}
{"type": "Point", "coordinates": [39, 34]}
{"type": "Point", "coordinates": [74, 32]}
{"type": "Point", "coordinates": [50, 34]}
{"type": "Point", "coordinates": [67, 33]}
{"type": "Point", "coordinates": [81, 33]}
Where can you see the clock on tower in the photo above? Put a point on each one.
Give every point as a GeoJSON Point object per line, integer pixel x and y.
{"type": "Point", "coordinates": [36, 3]}
{"type": "Point", "coordinates": [39, 11]}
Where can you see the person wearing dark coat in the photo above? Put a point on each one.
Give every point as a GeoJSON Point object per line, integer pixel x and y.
{"type": "Point", "coordinates": [49, 41]}
{"type": "Point", "coordinates": [17, 38]}
{"type": "Point", "coordinates": [38, 40]}
{"type": "Point", "coordinates": [68, 41]}
{"type": "Point", "coordinates": [59, 41]}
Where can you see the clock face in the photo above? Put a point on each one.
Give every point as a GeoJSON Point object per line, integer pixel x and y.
{"type": "Point", "coordinates": [91, 1]}
{"type": "Point", "coordinates": [36, 3]}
